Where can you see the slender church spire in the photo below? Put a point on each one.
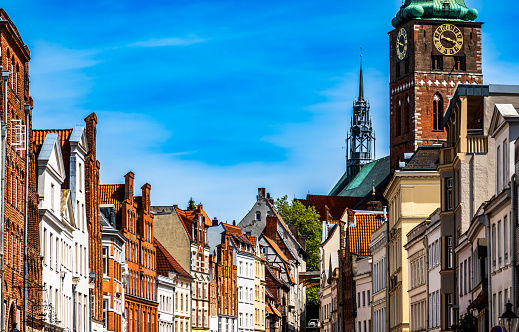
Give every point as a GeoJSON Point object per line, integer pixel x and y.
{"type": "Point", "coordinates": [361, 84]}
{"type": "Point", "coordinates": [361, 139]}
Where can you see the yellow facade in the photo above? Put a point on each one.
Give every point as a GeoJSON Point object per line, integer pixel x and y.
{"type": "Point", "coordinates": [412, 196]}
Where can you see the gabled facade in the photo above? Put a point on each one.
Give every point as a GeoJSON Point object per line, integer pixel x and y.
{"type": "Point", "coordinates": [135, 221]}
{"type": "Point", "coordinates": [168, 266]}
{"type": "Point", "coordinates": [413, 194]}
{"type": "Point", "coordinates": [226, 275]}
{"type": "Point", "coordinates": [63, 227]}
{"type": "Point", "coordinates": [504, 130]}
{"type": "Point", "coordinates": [115, 272]}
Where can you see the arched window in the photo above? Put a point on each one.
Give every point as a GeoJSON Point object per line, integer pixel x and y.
{"type": "Point", "coordinates": [398, 123]}
{"type": "Point", "coordinates": [437, 112]}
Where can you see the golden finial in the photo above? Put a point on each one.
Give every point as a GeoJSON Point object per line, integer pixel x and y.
{"type": "Point", "coordinates": [373, 187]}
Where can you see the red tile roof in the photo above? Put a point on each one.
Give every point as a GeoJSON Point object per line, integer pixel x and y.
{"type": "Point", "coordinates": [276, 249]}
{"type": "Point", "coordinates": [252, 239]}
{"type": "Point", "coordinates": [360, 234]}
{"type": "Point", "coordinates": [238, 236]}
{"type": "Point", "coordinates": [112, 194]}
{"type": "Point", "coordinates": [188, 217]}
{"type": "Point", "coordinates": [335, 205]}
{"type": "Point", "coordinates": [167, 263]}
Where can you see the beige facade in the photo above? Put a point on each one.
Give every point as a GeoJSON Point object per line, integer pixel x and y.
{"type": "Point", "coordinates": [379, 279]}
{"type": "Point", "coordinates": [362, 286]}
{"type": "Point", "coordinates": [417, 289]}
{"type": "Point", "coordinates": [412, 194]}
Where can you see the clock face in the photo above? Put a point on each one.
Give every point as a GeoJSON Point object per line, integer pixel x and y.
{"type": "Point", "coordinates": [401, 44]}
{"type": "Point", "coordinates": [448, 39]}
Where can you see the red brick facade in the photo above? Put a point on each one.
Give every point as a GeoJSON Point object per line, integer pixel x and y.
{"type": "Point", "coordinates": [226, 276]}
{"type": "Point", "coordinates": [415, 86]}
{"type": "Point", "coordinates": [134, 219]}
{"type": "Point", "coordinates": [95, 249]}
{"type": "Point", "coordinates": [19, 210]}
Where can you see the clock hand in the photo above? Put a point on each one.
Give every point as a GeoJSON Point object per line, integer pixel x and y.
{"type": "Point", "coordinates": [448, 39]}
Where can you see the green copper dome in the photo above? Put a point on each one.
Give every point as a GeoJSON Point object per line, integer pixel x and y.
{"type": "Point", "coordinates": [454, 10]}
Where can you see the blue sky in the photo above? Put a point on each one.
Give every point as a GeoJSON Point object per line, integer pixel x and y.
{"type": "Point", "coordinates": [213, 99]}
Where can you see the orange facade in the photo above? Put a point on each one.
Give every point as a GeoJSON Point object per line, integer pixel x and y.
{"type": "Point", "coordinates": [135, 221]}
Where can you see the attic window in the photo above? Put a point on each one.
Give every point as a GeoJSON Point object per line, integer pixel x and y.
{"type": "Point", "coordinates": [258, 215]}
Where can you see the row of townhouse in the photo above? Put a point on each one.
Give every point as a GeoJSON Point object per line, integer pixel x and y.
{"type": "Point", "coordinates": [244, 278]}
{"type": "Point", "coordinates": [445, 259]}
{"type": "Point", "coordinates": [443, 256]}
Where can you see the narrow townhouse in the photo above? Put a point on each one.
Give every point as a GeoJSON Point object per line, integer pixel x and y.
{"type": "Point", "coordinates": [379, 279]}
{"type": "Point", "coordinates": [504, 130]}
{"type": "Point", "coordinates": [115, 272]}
{"type": "Point", "coordinates": [165, 311]}
{"type": "Point", "coordinates": [168, 266]}
{"type": "Point", "coordinates": [272, 315]}
{"type": "Point", "coordinates": [226, 276]}
{"type": "Point", "coordinates": [190, 247]}
{"type": "Point", "coordinates": [435, 256]}
{"type": "Point", "coordinates": [21, 222]}
{"type": "Point", "coordinates": [413, 194]}
{"type": "Point", "coordinates": [213, 294]}
{"type": "Point", "coordinates": [259, 286]}
{"type": "Point", "coordinates": [362, 287]}
{"type": "Point", "coordinates": [63, 227]}
{"type": "Point", "coordinates": [355, 229]}
{"type": "Point", "coordinates": [328, 253]}
{"type": "Point", "coordinates": [417, 288]}
{"type": "Point", "coordinates": [135, 221]}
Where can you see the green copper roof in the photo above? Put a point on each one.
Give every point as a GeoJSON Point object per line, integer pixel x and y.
{"type": "Point", "coordinates": [361, 84]}
{"type": "Point", "coordinates": [454, 10]}
{"type": "Point", "coordinates": [373, 173]}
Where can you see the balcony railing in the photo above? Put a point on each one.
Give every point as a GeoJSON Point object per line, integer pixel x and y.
{"type": "Point", "coordinates": [474, 144]}
{"type": "Point", "coordinates": [477, 144]}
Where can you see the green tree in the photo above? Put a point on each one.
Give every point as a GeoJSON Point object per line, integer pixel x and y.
{"type": "Point", "coordinates": [191, 204]}
{"type": "Point", "coordinates": [308, 220]}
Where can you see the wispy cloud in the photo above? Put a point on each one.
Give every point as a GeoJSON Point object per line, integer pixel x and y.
{"type": "Point", "coordinates": [171, 41]}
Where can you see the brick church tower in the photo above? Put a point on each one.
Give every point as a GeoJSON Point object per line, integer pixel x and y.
{"type": "Point", "coordinates": [433, 48]}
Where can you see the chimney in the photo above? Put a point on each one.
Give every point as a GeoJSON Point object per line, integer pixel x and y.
{"type": "Point", "coordinates": [234, 222]}
{"type": "Point", "coordinates": [128, 186]}
{"type": "Point", "coordinates": [215, 221]}
{"type": "Point", "coordinates": [271, 227]}
{"type": "Point", "coordinates": [91, 133]}
{"type": "Point", "coordinates": [261, 193]}
{"type": "Point", "coordinates": [146, 189]}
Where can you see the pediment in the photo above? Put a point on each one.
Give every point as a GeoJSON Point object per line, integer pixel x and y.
{"type": "Point", "coordinates": [502, 113]}
{"type": "Point", "coordinates": [51, 157]}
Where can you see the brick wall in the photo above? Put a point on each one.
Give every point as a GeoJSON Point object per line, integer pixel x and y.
{"type": "Point", "coordinates": [412, 93]}
{"type": "Point", "coordinates": [226, 275]}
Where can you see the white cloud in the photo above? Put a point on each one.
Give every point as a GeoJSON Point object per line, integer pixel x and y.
{"type": "Point", "coordinates": [172, 41]}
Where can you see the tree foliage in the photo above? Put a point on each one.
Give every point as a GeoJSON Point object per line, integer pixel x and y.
{"type": "Point", "coordinates": [191, 204]}
{"type": "Point", "coordinates": [312, 295]}
{"type": "Point", "coordinates": [295, 213]}
{"type": "Point", "coordinates": [466, 324]}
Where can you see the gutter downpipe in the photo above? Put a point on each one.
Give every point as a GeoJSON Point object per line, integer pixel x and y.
{"type": "Point", "coordinates": [5, 77]}
{"type": "Point", "coordinates": [28, 109]}
{"type": "Point", "coordinates": [489, 272]}
{"type": "Point", "coordinates": [512, 241]}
